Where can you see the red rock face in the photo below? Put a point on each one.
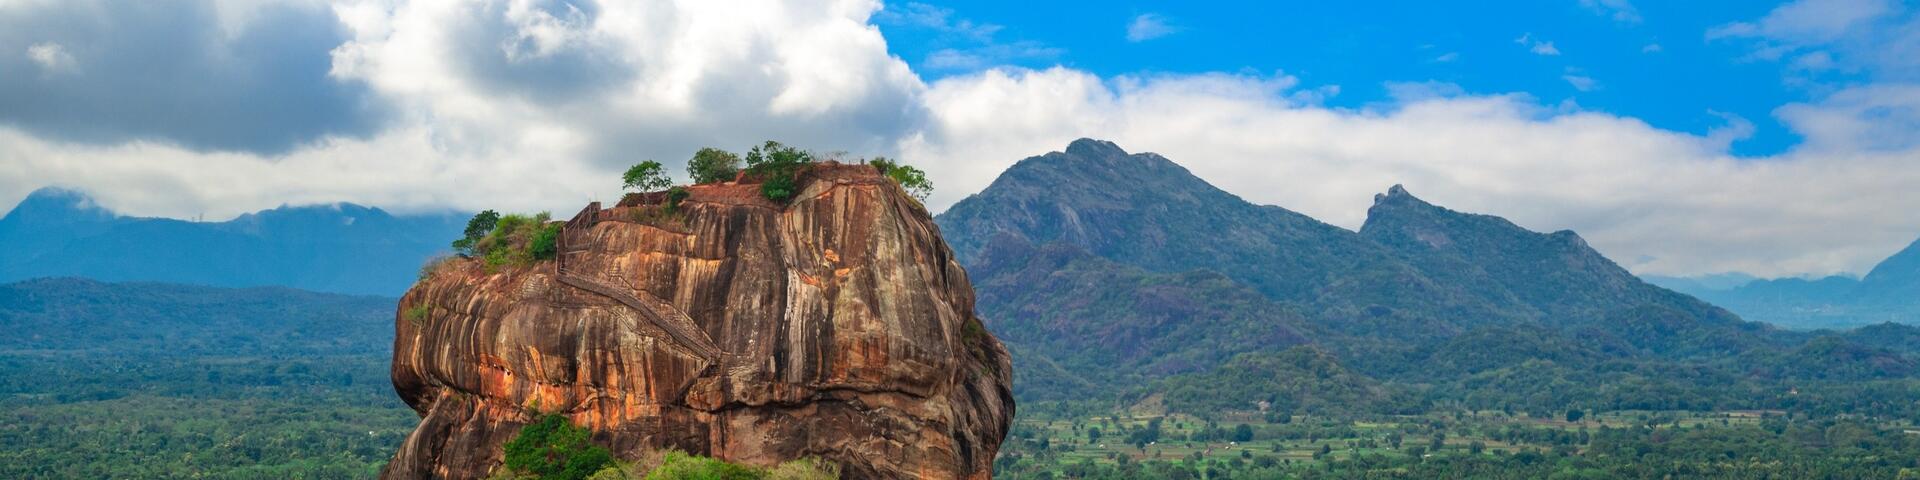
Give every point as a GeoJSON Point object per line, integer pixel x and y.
{"type": "Point", "coordinates": [838, 325]}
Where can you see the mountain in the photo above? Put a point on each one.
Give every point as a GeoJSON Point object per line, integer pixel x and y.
{"type": "Point", "coordinates": [1888, 293]}
{"type": "Point", "coordinates": [835, 325]}
{"type": "Point", "coordinates": [341, 248]}
{"type": "Point", "coordinates": [1894, 282]}
{"type": "Point", "coordinates": [1122, 276]}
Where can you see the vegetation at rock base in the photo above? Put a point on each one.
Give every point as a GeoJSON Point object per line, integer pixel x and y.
{"type": "Point", "coordinates": [677, 465]}
{"type": "Point", "coordinates": [711, 165]}
{"type": "Point", "coordinates": [552, 448]}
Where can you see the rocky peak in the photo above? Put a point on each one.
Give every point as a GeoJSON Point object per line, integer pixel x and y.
{"type": "Point", "coordinates": [836, 325]}
{"type": "Point", "coordinates": [1090, 148]}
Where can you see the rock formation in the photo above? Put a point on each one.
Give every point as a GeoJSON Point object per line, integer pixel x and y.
{"type": "Point", "coordinates": [836, 325]}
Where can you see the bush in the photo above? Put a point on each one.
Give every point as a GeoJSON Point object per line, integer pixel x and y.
{"type": "Point", "coordinates": [417, 314]}
{"type": "Point", "coordinates": [676, 195]}
{"type": "Point", "coordinates": [779, 188]}
{"type": "Point", "coordinates": [545, 243]}
{"type": "Point", "coordinates": [911, 179]}
{"type": "Point", "coordinates": [517, 240]}
{"type": "Point", "coordinates": [681, 466]}
{"type": "Point", "coordinates": [676, 465]}
{"type": "Point", "coordinates": [553, 448]}
{"type": "Point", "coordinates": [777, 166]}
{"type": "Point", "coordinates": [711, 165]}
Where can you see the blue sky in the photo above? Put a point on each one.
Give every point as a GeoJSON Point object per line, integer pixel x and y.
{"type": "Point", "coordinates": [1679, 138]}
{"type": "Point", "coordinates": [1651, 60]}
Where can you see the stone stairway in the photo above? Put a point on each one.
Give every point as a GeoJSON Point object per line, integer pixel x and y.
{"type": "Point", "coordinates": [676, 323]}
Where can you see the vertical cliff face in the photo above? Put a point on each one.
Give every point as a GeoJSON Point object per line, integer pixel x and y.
{"type": "Point", "coordinates": [836, 325]}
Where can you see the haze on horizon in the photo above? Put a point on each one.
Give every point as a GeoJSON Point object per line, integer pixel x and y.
{"type": "Point", "coordinates": [1776, 140]}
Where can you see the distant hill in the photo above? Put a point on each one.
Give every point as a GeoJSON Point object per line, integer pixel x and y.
{"type": "Point", "coordinates": [342, 248]}
{"type": "Point", "coordinates": [81, 315]}
{"type": "Point", "coordinates": [1119, 275]}
{"type": "Point", "coordinates": [1888, 293]}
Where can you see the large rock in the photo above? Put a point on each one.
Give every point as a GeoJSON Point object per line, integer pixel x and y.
{"type": "Point", "coordinates": [837, 325]}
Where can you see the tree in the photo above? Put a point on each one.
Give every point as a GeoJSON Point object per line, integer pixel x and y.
{"type": "Point", "coordinates": [1243, 433]}
{"type": "Point", "coordinates": [1575, 415]}
{"type": "Point", "coordinates": [912, 179]}
{"type": "Point", "coordinates": [711, 165]}
{"type": "Point", "coordinates": [477, 228]}
{"type": "Point", "coordinates": [777, 165]}
{"type": "Point", "coordinates": [647, 176]}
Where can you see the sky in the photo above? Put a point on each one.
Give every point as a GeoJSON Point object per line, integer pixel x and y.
{"type": "Point", "coordinates": [1679, 138]}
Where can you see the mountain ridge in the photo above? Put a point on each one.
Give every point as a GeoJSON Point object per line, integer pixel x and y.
{"type": "Point", "coordinates": [57, 232]}
{"type": "Point", "coordinates": [1434, 303]}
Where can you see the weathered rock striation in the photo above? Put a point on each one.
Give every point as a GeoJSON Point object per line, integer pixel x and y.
{"type": "Point", "coordinates": [837, 325]}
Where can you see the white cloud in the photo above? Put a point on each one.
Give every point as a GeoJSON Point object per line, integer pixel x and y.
{"type": "Point", "coordinates": [521, 105]}
{"type": "Point", "coordinates": [1878, 37]}
{"type": "Point", "coordinates": [1447, 57]}
{"type": "Point", "coordinates": [1581, 82]}
{"type": "Point", "coordinates": [939, 19]}
{"type": "Point", "coordinates": [1619, 10]}
{"type": "Point", "coordinates": [1149, 26]}
{"type": "Point", "coordinates": [52, 58]}
{"type": "Point", "coordinates": [1652, 48]}
{"type": "Point", "coordinates": [965, 45]}
{"type": "Point", "coordinates": [1537, 46]}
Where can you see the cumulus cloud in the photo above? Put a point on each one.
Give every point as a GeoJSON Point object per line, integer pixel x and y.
{"type": "Point", "coordinates": [1149, 26]}
{"type": "Point", "coordinates": [113, 72]}
{"type": "Point", "coordinates": [528, 105]}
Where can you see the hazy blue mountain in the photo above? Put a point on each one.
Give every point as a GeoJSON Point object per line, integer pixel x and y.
{"type": "Point", "coordinates": [1895, 281]}
{"type": "Point", "coordinates": [1888, 293]}
{"type": "Point", "coordinates": [1690, 285]}
{"type": "Point", "coordinates": [342, 248]}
